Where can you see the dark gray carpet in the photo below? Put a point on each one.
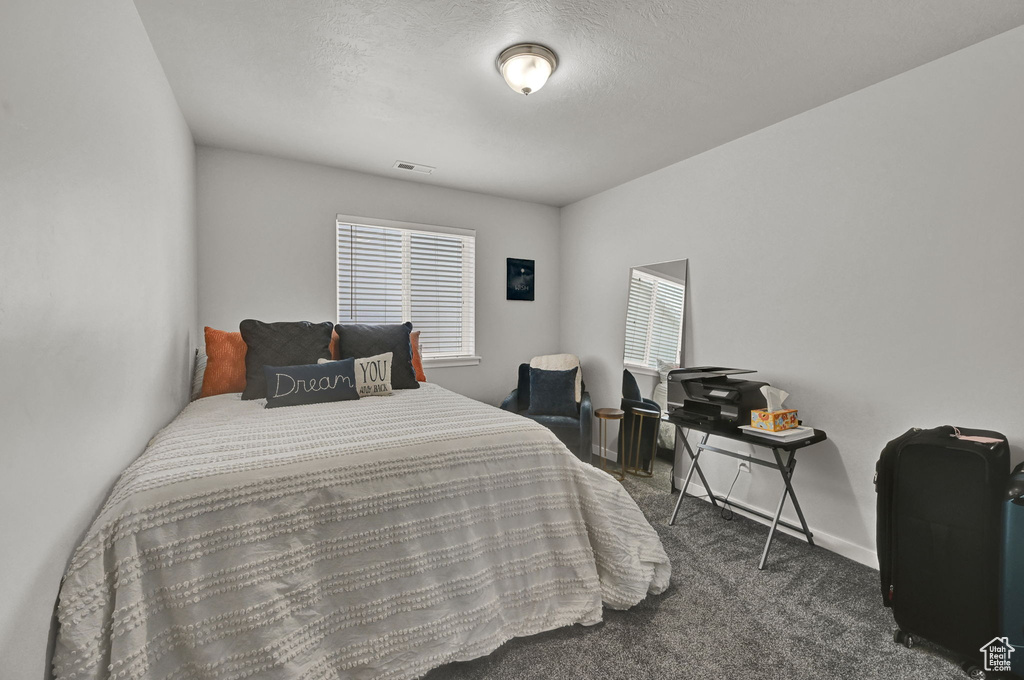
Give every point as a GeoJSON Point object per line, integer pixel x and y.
{"type": "Point", "coordinates": [809, 614]}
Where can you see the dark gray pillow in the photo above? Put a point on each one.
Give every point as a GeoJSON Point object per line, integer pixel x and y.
{"type": "Point", "coordinates": [361, 340]}
{"type": "Point", "coordinates": [311, 383]}
{"type": "Point", "coordinates": [282, 343]}
{"type": "Point", "coordinates": [553, 393]}
{"type": "Point", "coordinates": [523, 387]}
{"type": "Point", "coordinates": [630, 390]}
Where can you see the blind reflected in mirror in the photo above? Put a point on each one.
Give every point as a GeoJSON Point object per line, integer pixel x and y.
{"type": "Point", "coordinates": [654, 315]}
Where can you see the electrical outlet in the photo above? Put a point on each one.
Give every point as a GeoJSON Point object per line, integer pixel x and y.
{"type": "Point", "coordinates": [743, 466]}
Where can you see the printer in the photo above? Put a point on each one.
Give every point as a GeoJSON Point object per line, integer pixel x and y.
{"type": "Point", "coordinates": [708, 394]}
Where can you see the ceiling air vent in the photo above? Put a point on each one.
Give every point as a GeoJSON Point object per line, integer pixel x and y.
{"type": "Point", "coordinates": [414, 167]}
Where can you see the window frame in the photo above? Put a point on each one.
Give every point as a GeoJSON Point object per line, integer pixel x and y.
{"type": "Point", "coordinates": [471, 359]}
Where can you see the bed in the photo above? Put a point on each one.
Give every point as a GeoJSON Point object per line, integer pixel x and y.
{"type": "Point", "coordinates": [377, 538]}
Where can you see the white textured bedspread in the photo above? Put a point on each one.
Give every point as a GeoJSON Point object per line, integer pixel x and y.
{"type": "Point", "coordinates": [376, 538]}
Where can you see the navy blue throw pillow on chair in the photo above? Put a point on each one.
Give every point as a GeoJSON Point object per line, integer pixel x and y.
{"type": "Point", "coordinates": [311, 384]}
{"type": "Point", "coordinates": [553, 393]}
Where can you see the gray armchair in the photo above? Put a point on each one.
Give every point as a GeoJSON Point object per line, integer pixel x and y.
{"type": "Point", "coordinates": [575, 431]}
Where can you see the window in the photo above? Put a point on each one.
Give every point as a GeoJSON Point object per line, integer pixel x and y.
{"type": "Point", "coordinates": [654, 320]}
{"type": "Point", "coordinates": [392, 272]}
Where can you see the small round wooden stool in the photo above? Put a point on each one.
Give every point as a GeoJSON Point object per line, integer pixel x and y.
{"type": "Point", "coordinates": [633, 467]}
{"type": "Point", "coordinates": [604, 415]}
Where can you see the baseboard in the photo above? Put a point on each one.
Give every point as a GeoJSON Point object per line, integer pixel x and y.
{"type": "Point", "coordinates": [612, 455]}
{"type": "Point", "coordinates": [868, 558]}
{"type": "Point", "coordinates": [822, 539]}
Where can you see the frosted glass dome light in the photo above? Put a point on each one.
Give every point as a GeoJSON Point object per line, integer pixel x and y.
{"type": "Point", "coordinates": [526, 67]}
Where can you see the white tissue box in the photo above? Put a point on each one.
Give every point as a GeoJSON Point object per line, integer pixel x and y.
{"type": "Point", "coordinates": [773, 421]}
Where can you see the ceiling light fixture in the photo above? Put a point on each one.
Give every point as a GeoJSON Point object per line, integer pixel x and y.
{"type": "Point", "coordinates": [526, 67]}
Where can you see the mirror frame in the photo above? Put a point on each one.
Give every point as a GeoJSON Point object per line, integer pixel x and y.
{"type": "Point", "coordinates": [651, 270]}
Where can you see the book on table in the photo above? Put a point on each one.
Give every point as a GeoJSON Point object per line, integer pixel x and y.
{"type": "Point", "coordinates": [790, 435]}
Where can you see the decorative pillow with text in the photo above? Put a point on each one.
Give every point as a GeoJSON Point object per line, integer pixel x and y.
{"type": "Point", "coordinates": [310, 384]}
{"type": "Point", "coordinates": [373, 374]}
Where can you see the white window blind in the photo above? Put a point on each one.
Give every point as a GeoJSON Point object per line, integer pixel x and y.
{"type": "Point", "coordinates": [393, 274]}
{"type": "Point", "coordinates": [654, 320]}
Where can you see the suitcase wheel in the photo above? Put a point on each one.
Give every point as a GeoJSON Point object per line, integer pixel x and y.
{"type": "Point", "coordinates": [972, 670]}
{"type": "Point", "coordinates": [905, 639]}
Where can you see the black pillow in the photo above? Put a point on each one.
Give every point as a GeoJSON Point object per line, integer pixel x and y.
{"type": "Point", "coordinates": [523, 387]}
{"type": "Point", "coordinates": [553, 393]}
{"type": "Point", "coordinates": [630, 390]}
{"type": "Point", "coordinates": [361, 340]}
{"type": "Point", "coordinates": [311, 383]}
{"type": "Point", "coordinates": [282, 343]}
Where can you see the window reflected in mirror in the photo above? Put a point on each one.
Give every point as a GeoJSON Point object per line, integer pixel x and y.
{"type": "Point", "coordinates": [654, 315]}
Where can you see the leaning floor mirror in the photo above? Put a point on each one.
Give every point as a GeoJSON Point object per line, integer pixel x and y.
{"type": "Point", "coordinates": [654, 329]}
{"type": "Point", "coordinates": [654, 316]}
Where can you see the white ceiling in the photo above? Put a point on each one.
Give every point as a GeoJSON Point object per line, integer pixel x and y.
{"type": "Point", "coordinates": [641, 84]}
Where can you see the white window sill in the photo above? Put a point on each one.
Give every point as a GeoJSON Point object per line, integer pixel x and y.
{"type": "Point", "coordinates": [448, 362]}
{"type": "Point", "coordinates": [642, 370]}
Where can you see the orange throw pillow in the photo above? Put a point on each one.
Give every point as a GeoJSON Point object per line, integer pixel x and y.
{"type": "Point", "coordinates": [334, 346]}
{"type": "Point", "coordinates": [417, 360]}
{"type": "Point", "coordinates": [225, 363]}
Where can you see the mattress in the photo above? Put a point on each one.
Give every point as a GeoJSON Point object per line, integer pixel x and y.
{"type": "Point", "coordinates": [376, 538]}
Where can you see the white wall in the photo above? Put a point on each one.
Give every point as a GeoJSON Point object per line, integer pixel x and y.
{"type": "Point", "coordinates": [865, 256]}
{"type": "Point", "coordinates": [97, 285]}
{"type": "Point", "coordinates": [267, 250]}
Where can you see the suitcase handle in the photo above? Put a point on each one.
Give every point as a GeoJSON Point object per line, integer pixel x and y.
{"type": "Point", "coordinates": [975, 438]}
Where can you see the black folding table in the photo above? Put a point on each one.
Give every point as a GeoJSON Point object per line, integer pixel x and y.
{"type": "Point", "coordinates": [709, 428]}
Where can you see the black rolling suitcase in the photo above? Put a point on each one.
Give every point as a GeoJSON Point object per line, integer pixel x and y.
{"type": "Point", "coordinates": [939, 531]}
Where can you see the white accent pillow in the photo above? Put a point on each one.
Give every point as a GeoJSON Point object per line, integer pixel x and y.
{"type": "Point", "coordinates": [198, 371]}
{"type": "Point", "coordinates": [373, 375]}
{"type": "Point", "coordinates": [664, 367]}
{"type": "Point", "coordinates": [561, 362]}
{"type": "Point", "coordinates": [667, 431]}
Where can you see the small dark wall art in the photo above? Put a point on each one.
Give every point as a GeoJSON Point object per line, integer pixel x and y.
{"type": "Point", "coordinates": [520, 279]}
